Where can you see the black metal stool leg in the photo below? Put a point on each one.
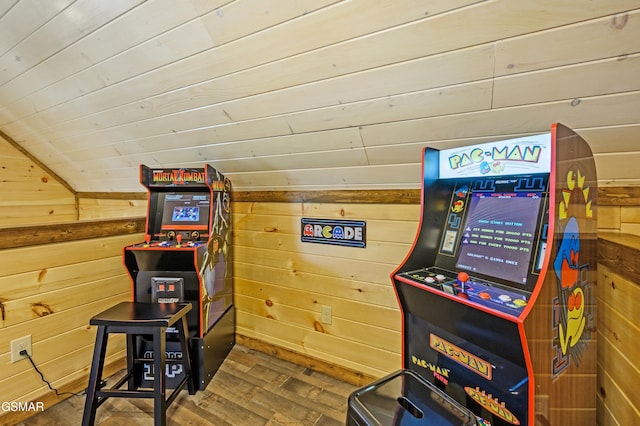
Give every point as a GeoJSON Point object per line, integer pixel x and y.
{"type": "Point", "coordinates": [131, 382]}
{"type": "Point", "coordinates": [159, 380]}
{"type": "Point", "coordinates": [91, 403]}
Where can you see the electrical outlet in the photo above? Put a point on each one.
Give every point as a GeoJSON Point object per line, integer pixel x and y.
{"type": "Point", "coordinates": [326, 315]}
{"type": "Point", "coordinates": [18, 345]}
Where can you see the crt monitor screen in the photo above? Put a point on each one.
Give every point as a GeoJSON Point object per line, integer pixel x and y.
{"type": "Point", "coordinates": [186, 211]}
{"type": "Point", "coordinates": [499, 234]}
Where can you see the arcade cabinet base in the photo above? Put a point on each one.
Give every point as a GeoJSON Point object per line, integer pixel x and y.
{"type": "Point", "coordinates": [405, 398]}
{"type": "Point", "coordinates": [208, 353]}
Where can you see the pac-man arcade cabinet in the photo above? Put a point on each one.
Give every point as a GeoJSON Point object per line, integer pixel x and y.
{"type": "Point", "coordinates": [497, 292]}
{"type": "Point", "coordinates": [186, 258]}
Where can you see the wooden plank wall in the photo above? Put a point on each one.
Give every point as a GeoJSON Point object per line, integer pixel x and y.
{"type": "Point", "coordinates": [53, 278]}
{"type": "Point", "coordinates": [28, 193]}
{"type": "Point", "coordinates": [619, 209]}
{"type": "Point", "coordinates": [281, 283]}
{"type": "Point", "coordinates": [618, 206]}
{"type": "Point", "coordinates": [96, 206]}
{"type": "Point", "coordinates": [618, 319]}
{"type": "Point", "coordinates": [618, 316]}
{"type": "Point", "coordinates": [50, 291]}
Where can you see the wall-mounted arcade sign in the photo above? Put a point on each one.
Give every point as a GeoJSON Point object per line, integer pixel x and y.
{"type": "Point", "coordinates": [350, 233]}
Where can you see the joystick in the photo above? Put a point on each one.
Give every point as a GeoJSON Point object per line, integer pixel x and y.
{"type": "Point", "coordinates": [178, 240]}
{"type": "Point", "coordinates": [463, 277]}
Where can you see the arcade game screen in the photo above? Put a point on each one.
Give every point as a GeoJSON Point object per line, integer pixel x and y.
{"type": "Point", "coordinates": [189, 210]}
{"type": "Point", "coordinates": [499, 234]}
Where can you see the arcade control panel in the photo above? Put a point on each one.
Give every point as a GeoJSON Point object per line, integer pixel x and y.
{"type": "Point", "coordinates": [173, 239]}
{"type": "Point", "coordinates": [181, 235]}
{"type": "Point", "coordinates": [474, 289]}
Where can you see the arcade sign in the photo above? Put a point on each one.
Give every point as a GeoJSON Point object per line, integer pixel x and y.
{"type": "Point", "coordinates": [528, 154]}
{"type": "Point", "coordinates": [350, 233]}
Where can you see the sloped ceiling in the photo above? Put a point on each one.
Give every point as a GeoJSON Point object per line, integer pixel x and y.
{"type": "Point", "coordinates": [311, 94]}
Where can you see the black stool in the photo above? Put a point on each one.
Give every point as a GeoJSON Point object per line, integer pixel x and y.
{"type": "Point", "coordinates": [135, 319]}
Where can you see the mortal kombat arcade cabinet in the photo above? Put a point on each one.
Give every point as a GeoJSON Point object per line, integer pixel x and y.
{"type": "Point", "coordinates": [186, 258]}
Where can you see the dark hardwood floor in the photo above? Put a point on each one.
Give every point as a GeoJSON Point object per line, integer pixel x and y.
{"type": "Point", "coordinates": [251, 388]}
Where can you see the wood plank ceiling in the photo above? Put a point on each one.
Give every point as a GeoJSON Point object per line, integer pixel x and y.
{"type": "Point", "coordinates": [311, 94]}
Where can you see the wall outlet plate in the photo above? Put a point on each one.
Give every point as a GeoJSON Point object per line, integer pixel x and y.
{"type": "Point", "coordinates": [18, 345]}
{"type": "Point", "coordinates": [326, 315]}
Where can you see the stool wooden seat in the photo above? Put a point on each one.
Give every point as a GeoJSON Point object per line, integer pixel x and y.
{"type": "Point", "coordinates": [135, 319]}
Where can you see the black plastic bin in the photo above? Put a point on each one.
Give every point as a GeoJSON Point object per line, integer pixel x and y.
{"type": "Point", "coordinates": [405, 398]}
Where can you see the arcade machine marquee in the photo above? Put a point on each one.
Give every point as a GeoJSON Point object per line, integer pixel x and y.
{"type": "Point", "coordinates": [496, 294]}
{"type": "Point", "coordinates": [185, 258]}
